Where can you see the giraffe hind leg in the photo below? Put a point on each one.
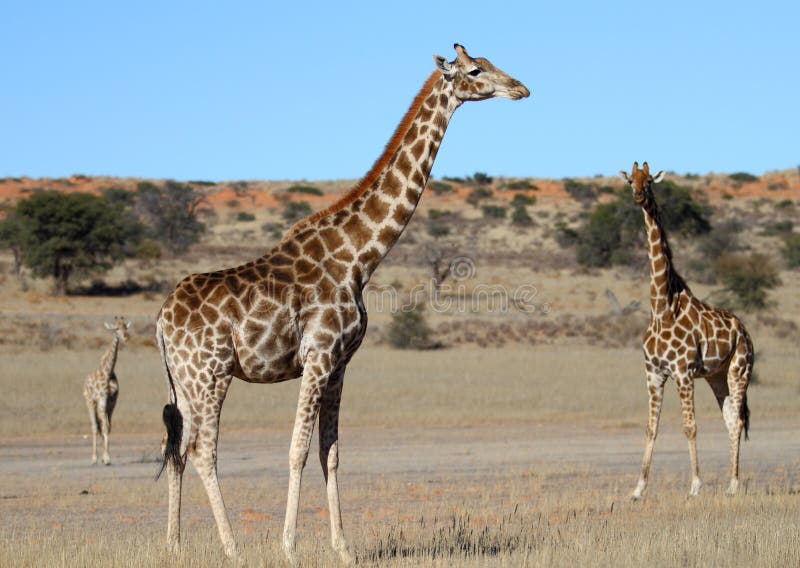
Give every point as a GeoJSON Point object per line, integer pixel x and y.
{"type": "Point", "coordinates": [174, 447]}
{"type": "Point", "coordinates": [735, 410]}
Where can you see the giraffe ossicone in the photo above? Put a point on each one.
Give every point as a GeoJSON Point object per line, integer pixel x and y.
{"type": "Point", "coordinates": [101, 388]}
{"type": "Point", "coordinates": [297, 311]}
{"type": "Point", "coordinates": [688, 340]}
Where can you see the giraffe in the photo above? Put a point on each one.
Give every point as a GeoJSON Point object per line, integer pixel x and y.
{"type": "Point", "coordinates": [298, 310]}
{"type": "Point", "coordinates": [102, 388]}
{"type": "Point", "coordinates": [687, 340]}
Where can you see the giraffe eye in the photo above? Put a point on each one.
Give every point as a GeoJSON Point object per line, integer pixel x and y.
{"type": "Point", "coordinates": [474, 73]}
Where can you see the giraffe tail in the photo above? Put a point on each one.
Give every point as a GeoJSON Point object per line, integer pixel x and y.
{"type": "Point", "coordinates": [171, 415]}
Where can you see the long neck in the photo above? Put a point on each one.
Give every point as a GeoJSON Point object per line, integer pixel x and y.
{"type": "Point", "coordinates": [373, 215]}
{"type": "Point", "coordinates": [665, 282]}
{"type": "Point", "coordinates": [110, 357]}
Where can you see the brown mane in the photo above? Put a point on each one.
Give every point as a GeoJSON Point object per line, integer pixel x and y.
{"type": "Point", "coordinates": [380, 164]}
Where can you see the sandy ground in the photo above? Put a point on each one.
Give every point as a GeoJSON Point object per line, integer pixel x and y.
{"type": "Point", "coordinates": [375, 465]}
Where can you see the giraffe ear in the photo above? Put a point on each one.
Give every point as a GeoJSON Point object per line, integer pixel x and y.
{"type": "Point", "coordinates": [110, 326]}
{"type": "Point", "coordinates": [128, 324]}
{"type": "Point", "coordinates": [443, 65]}
{"type": "Point", "coordinates": [624, 175]}
{"type": "Point", "coordinates": [659, 176]}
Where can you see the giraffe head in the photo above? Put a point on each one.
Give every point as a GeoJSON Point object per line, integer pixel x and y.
{"type": "Point", "coordinates": [641, 181]}
{"type": "Point", "coordinates": [119, 327]}
{"type": "Point", "coordinates": [477, 79]}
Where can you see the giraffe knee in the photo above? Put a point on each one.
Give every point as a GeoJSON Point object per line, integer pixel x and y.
{"type": "Point", "coordinates": [690, 431]}
{"type": "Point", "coordinates": [332, 459]}
{"type": "Point", "coordinates": [297, 460]}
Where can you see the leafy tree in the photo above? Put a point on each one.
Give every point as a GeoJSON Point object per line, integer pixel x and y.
{"type": "Point", "coordinates": [171, 212]}
{"type": "Point", "coordinates": [69, 236]}
{"type": "Point", "coordinates": [11, 230]}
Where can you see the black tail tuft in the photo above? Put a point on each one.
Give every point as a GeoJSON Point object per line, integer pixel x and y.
{"type": "Point", "coordinates": [744, 414]}
{"type": "Point", "coordinates": [172, 452]}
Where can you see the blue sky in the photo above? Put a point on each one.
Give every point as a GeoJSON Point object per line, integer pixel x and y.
{"type": "Point", "coordinates": [313, 90]}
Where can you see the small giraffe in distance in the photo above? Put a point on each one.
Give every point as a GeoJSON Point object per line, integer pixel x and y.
{"type": "Point", "coordinates": [102, 388]}
{"type": "Point", "coordinates": [688, 340]}
{"type": "Point", "coordinates": [298, 310]}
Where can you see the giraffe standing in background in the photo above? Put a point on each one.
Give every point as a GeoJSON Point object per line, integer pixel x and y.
{"type": "Point", "coordinates": [102, 388]}
{"type": "Point", "coordinates": [298, 310]}
{"type": "Point", "coordinates": [688, 340]}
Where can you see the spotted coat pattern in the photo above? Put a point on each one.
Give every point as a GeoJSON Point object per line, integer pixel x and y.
{"type": "Point", "coordinates": [298, 310]}
{"type": "Point", "coordinates": [101, 389]}
{"type": "Point", "coordinates": [688, 340]}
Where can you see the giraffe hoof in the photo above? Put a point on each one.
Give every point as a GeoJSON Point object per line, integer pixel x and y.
{"type": "Point", "coordinates": [733, 487]}
{"type": "Point", "coordinates": [173, 547]}
{"type": "Point", "coordinates": [344, 553]}
{"type": "Point", "coordinates": [695, 490]}
{"type": "Point", "coordinates": [291, 557]}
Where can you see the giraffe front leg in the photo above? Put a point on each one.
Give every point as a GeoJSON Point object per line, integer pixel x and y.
{"type": "Point", "coordinates": [329, 460]}
{"type": "Point", "coordinates": [93, 420]}
{"type": "Point", "coordinates": [316, 371]}
{"type": "Point", "coordinates": [685, 386]}
{"type": "Point", "coordinates": [105, 428]}
{"type": "Point", "coordinates": [655, 388]}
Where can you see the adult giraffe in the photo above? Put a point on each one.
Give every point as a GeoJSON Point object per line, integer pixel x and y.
{"type": "Point", "coordinates": [298, 310]}
{"type": "Point", "coordinates": [688, 340]}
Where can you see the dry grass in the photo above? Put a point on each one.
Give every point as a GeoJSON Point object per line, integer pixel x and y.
{"type": "Point", "coordinates": [385, 387]}
{"type": "Point", "coordinates": [518, 519]}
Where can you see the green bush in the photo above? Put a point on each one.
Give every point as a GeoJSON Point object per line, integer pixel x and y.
{"type": "Point", "coordinates": [274, 230]}
{"type": "Point", "coordinates": [520, 185]}
{"type": "Point", "coordinates": [520, 216]}
{"type": "Point", "coordinates": [245, 216]}
{"type": "Point", "coordinates": [296, 210]}
{"type": "Point", "coordinates": [579, 191]}
{"type": "Point", "coordinates": [440, 187]}
{"type": "Point", "coordinates": [477, 195]}
{"type": "Point", "coordinates": [307, 189]}
{"type": "Point", "coordinates": [743, 177]}
{"type": "Point", "coordinates": [521, 200]}
{"type": "Point", "coordinates": [493, 212]}
{"type": "Point", "coordinates": [438, 224]}
{"type": "Point", "coordinates": [613, 230]}
{"type": "Point", "coordinates": [480, 178]}
{"type": "Point", "coordinates": [409, 330]}
{"type": "Point", "coordinates": [747, 278]}
{"type": "Point", "coordinates": [778, 228]}
{"type": "Point", "coordinates": [791, 250]}
{"type": "Point", "coordinates": [147, 249]}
